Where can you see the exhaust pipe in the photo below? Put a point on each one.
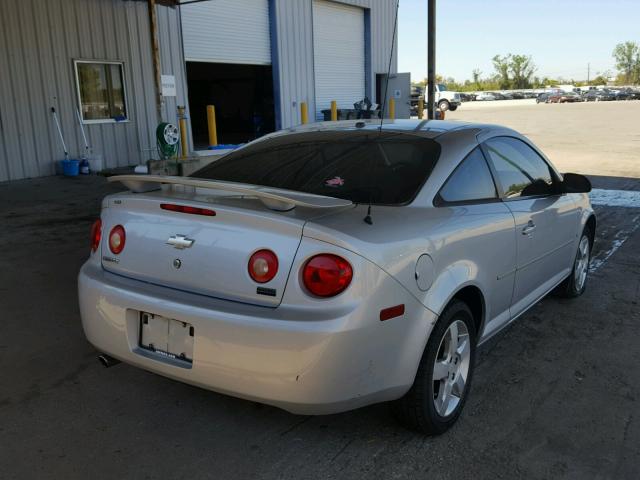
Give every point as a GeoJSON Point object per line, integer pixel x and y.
{"type": "Point", "coordinates": [107, 361]}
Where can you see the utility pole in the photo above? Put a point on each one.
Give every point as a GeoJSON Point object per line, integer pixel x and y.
{"type": "Point", "coordinates": [588, 72]}
{"type": "Point", "coordinates": [431, 60]}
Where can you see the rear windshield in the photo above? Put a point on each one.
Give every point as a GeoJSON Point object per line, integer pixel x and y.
{"type": "Point", "coordinates": [384, 168]}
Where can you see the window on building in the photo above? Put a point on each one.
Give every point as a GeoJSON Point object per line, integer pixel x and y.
{"type": "Point", "coordinates": [471, 181]}
{"type": "Point", "coordinates": [101, 91]}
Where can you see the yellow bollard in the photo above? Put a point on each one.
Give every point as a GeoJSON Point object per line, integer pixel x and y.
{"type": "Point", "coordinates": [334, 110]}
{"type": "Point", "coordinates": [211, 122]}
{"type": "Point", "coordinates": [304, 114]}
{"type": "Point", "coordinates": [184, 144]}
{"type": "Point", "coordinates": [420, 107]}
{"type": "Point", "coordinates": [392, 108]}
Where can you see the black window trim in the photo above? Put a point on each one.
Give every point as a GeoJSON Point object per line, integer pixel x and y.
{"type": "Point", "coordinates": [496, 178]}
{"type": "Point", "coordinates": [438, 201]}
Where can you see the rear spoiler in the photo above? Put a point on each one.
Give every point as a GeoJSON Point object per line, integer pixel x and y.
{"type": "Point", "coordinates": [272, 198]}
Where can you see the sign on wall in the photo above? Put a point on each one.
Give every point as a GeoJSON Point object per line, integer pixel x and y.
{"type": "Point", "coordinates": [168, 85]}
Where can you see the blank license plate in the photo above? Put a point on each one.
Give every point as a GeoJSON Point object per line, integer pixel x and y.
{"type": "Point", "coordinates": [167, 337]}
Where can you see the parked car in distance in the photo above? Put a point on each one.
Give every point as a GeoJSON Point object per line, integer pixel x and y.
{"type": "Point", "coordinates": [498, 95]}
{"type": "Point", "coordinates": [632, 94]}
{"type": "Point", "coordinates": [619, 94]}
{"type": "Point", "coordinates": [564, 97]}
{"type": "Point", "coordinates": [543, 97]}
{"type": "Point", "coordinates": [296, 269]}
{"type": "Point", "coordinates": [598, 96]}
{"type": "Point", "coordinates": [485, 96]}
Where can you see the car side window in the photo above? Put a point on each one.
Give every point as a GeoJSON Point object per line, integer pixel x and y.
{"type": "Point", "coordinates": [519, 168]}
{"type": "Point", "coordinates": [470, 181]}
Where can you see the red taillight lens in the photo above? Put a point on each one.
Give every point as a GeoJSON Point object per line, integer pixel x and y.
{"type": "Point", "coordinates": [117, 238]}
{"type": "Point", "coordinates": [263, 266]}
{"type": "Point", "coordinates": [187, 209]}
{"type": "Point", "coordinates": [327, 275]}
{"type": "Point", "coordinates": [96, 234]}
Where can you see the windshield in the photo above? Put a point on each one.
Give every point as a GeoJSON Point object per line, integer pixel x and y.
{"type": "Point", "coordinates": [442, 87]}
{"type": "Point", "coordinates": [385, 168]}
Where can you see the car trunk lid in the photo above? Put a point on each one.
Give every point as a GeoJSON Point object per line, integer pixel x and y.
{"type": "Point", "coordinates": [205, 254]}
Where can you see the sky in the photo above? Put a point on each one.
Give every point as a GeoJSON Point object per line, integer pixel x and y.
{"type": "Point", "coordinates": [562, 36]}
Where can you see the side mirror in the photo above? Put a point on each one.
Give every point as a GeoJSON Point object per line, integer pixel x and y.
{"type": "Point", "coordinates": [575, 183]}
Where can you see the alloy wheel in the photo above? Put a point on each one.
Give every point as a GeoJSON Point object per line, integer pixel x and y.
{"type": "Point", "coordinates": [581, 267]}
{"type": "Point", "coordinates": [451, 368]}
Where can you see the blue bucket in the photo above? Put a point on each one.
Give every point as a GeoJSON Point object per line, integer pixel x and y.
{"type": "Point", "coordinates": [70, 168]}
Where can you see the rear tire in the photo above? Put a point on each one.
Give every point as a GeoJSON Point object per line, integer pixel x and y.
{"type": "Point", "coordinates": [576, 283]}
{"type": "Point", "coordinates": [442, 383]}
{"type": "Point", "coordinates": [443, 105]}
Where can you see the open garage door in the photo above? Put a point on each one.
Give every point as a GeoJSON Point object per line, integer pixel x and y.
{"type": "Point", "coordinates": [339, 54]}
{"type": "Point", "coordinates": [227, 31]}
{"type": "Point", "coordinates": [227, 48]}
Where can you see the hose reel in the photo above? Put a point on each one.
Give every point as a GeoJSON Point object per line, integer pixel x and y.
{"type": "Point", "coordinates": [168, 140]}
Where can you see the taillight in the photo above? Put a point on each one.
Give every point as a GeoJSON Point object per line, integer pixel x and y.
{"type": "Point", "coordinates": [117, 238]}
{"type": "Point", "coordinates": [327, 275]}
{"type": "Point", "coordinates": [187, 209]}
{"type": "Point", "coordinates": [96, 233]}
{"type": "Point", "coordinates": [263, 266]}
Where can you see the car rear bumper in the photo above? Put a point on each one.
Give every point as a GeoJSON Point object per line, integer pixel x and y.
{"type": "Point", "coordinates": [315, 366]}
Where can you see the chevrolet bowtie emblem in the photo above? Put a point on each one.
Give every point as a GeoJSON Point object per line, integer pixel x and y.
{"type": "Point", "coordinates": [180, 242]}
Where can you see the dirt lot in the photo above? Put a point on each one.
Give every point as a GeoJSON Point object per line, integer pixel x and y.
{"type": "Point", "coordinates": [555, 396]}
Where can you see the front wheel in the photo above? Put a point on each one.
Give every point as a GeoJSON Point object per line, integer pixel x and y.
{"type": "Point", "coordinates": [453, 108]}
{"type": "Point", "coordinates": [435, 400]}
{"type": "Point", "coordinates": [576, 283]}
{"type": "Point", "coordinates": [443, 105]}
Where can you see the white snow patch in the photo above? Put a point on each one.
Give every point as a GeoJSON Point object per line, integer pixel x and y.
{"type": "Point", "coordinates": [619, 239]}
{"type": "Point", "coordinates": [615, 198]}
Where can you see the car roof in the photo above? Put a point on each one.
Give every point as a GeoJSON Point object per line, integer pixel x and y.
{"type": "Point", "coordinates": [425, 128]}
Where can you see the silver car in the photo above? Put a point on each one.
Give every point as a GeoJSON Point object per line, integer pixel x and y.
{"type": "Point", "coordinates": [336, 265]}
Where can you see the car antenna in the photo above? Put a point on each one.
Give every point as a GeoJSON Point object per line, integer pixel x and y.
{"type": "Point", "coordinates": [386, 85]}
{"type": "Point", "coordinates": [368, 219]}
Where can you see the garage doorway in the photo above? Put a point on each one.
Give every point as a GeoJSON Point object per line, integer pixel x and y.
{"type": "Point", "coordinates": [242, 95]}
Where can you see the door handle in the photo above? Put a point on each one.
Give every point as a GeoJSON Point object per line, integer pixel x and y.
{"type": "Point", "coordinates": [528, 230]}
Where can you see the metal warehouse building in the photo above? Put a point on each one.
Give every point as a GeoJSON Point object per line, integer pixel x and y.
{"type": "Point", "coordinates": [120, 67]}
{"type": "Point", "coordinates": [92, 57]}
{"type": "Point", "coordinates": [256, 60]}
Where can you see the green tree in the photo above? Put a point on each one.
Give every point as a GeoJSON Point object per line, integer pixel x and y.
{"type": "Point", "coordinates": [627, 56]}
{"type": "Point", "coordinates": [502, 64]}
{"type": "Point", "coordinates": [522, 69]}
{"type": "Point", "coordinates": [599, 80]}
{"type": "Point", "coordinates": [476, 77]}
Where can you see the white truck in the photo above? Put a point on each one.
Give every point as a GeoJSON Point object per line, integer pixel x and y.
{"type": "Point", "coordinates": [445, 99]}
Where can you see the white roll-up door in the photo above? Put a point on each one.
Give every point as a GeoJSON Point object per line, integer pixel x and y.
{"type": "Point", "coordinates": [338, 54]}
{"type": "Point", "coordinates": [227, 31]}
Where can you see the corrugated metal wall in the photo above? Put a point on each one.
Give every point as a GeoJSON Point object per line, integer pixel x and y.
{"type": "Point", "coordinates": [294, 42]}
{"type": "Point", "coordinates": [39, 39]}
